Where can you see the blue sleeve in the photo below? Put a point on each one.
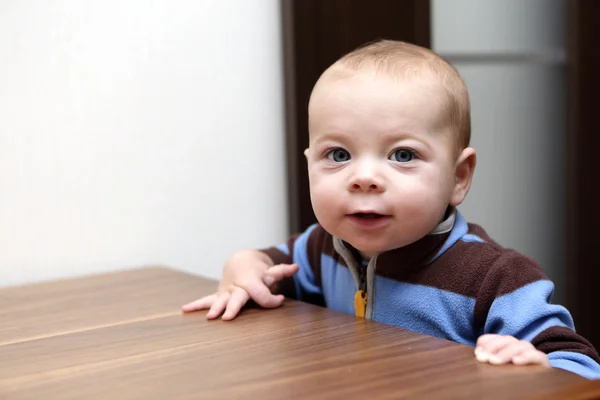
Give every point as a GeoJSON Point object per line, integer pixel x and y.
{"type": "Point", "coordinates": [528, 314]}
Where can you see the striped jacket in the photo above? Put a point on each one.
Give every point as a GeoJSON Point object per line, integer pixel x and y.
{"type": "Point", "coordinates": [456, 283]}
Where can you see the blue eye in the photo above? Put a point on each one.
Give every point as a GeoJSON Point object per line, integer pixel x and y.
{"type": "Point", "coordinates": [403, 155]}
{"type": "Point", "coordinates": [338, 155]}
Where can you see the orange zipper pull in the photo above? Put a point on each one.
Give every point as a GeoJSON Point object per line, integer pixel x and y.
{"type": "Point", "coordinates": [360, 303]}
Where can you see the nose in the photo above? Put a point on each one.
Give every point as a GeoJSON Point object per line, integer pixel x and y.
{"type": "Point", "coordinates": [365, 178]}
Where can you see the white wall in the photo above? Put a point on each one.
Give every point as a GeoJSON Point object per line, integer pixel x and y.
{"type": "Point", "coordinates": [137, 132]}
{"type": "Point", "coordinates": [518, 119]}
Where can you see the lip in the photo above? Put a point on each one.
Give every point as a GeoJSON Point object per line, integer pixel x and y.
{"type": "Point", "coordinates": [366, 220]}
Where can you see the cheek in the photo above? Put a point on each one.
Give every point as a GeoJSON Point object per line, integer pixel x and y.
{"type": "Point", "coordinates": [322, 194]}
{"type": "Point", "coordinates": [318, 191]}
{"type": "Point", "coordinates": [425, 191]}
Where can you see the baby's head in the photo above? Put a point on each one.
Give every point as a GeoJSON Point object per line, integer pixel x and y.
{"type": "Point", "coordinates": [389, 131]}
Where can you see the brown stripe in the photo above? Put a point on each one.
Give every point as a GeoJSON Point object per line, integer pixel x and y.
{"type": "Point", "coordinates": [560, 338]}
{"type": "Point", "coordinates": [508, 273]}
{"type": "Point", "coordinates": [403, 264]}
{"type": "Point", "coordinates": [461, 269]}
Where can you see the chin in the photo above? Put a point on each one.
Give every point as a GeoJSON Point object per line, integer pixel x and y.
{"type": "Point", "coordinates": [370, 249]}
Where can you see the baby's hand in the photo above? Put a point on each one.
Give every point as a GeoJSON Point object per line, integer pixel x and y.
{"type": "Point", "coordinates": [500, 349]}
{"type": "Point", "coordinates": [249, 275]}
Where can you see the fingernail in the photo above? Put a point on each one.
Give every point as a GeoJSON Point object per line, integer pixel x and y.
{"type": "Point", "coordinates": [481, 355]}
{"type": "Point", "coordinates": [494, 360]}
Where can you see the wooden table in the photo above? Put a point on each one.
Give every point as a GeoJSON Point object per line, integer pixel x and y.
{"type": "Point", "coordinates": [122, 336]}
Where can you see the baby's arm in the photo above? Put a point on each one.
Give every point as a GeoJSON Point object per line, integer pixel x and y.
{"type": "Point", "coordinates": [518, 323]}
{"type": "Point", "coordinates": [248, 274]}
{"type": "Point", "coordinates": [288, 270]}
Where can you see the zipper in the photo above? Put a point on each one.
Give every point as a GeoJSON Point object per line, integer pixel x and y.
{"type": "Point", "coordinates": [363, 274]}
{"type": "Point", "coordinates": [361, 295]}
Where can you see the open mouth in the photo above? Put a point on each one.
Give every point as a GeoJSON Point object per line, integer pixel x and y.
{"type": "Point", "coordinates": [368, 215]}
{"type": "Point", "coordinates": [369, 220]}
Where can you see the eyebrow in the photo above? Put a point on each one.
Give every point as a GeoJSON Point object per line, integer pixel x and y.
{"type": "Point", "coordinates": [390, 137]}
{"type": "Point", "coordinates": [330, 136]}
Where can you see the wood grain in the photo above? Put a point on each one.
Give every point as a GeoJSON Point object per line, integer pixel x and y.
{"type": "Point", "coordinates": [580, 391]}
{"type": "Point", "coordinates": [305, 351]}
{"type": "Point", "coordinates": [47, 309]}
{"type": "Point", "coordinates": [296, 351]}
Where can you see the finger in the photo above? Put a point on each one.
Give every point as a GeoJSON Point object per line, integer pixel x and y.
{"type": "Point", "coordinates": [483, 340]}
{"type": "Point", "coordinates": [200, 304]}
{"type": "Point", "coordinates": [506, 354]}
{"type": "Point", "coordinates": [532, 356]}
{"type": "Point", "coordinates": [219, 305]}
{"type": "Point", "coordinates": [262, 295]}
{"type": "Point", "coordinates": [494, 344]}
{"type": "Point", "coordinates": [489, 345]}
{"type": "Point", "coordinates": [278, 272]}
{"type": "Point", "coordinates": [238, 298]}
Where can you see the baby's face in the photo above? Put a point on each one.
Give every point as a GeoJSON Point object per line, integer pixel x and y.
{"type": "Point", "coordinates": [381, 162]}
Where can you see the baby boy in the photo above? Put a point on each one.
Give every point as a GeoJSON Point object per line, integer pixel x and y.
{"type": "Point", "coordinates": [389, 162]}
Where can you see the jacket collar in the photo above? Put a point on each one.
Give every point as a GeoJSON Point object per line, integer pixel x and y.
{"type": "Point", "coordinates": [403, 261]}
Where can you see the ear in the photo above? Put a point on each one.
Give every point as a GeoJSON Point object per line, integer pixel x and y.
{"type": "Point", "coordinates": [306, 153]}
{"type": "Point", "coordinates": [463, 174]}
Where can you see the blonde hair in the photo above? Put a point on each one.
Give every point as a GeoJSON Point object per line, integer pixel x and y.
{"type": "Point", "coordinates": [405, 60]}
